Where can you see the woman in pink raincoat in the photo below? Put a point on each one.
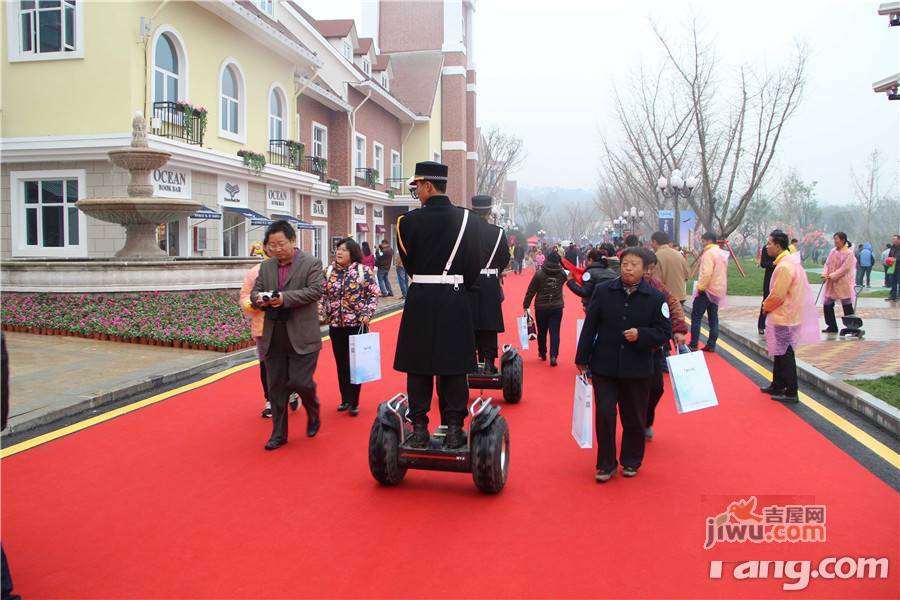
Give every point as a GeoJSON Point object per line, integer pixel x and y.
{"type": "Point", "coordinates": [839, 275]}
{"type": "Point", "coordinates": [791, 318]}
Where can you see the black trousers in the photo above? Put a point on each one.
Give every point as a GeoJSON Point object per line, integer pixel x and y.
{"type": "Point", "coordinates": [784, 372]}
{"type": "Point", "coordinates": [656, 386]}
{"type": "Point", "coordinates": [767, 282]}
{"type": "Point", "coordinates": [630, 396]}
{"type": "Point", "coordinates": [453, 395]}
{"type": "Point", "coordinates": [264, 377]}
{"type": "Point", "coordinates": [486, 345]}
{"type": "Point", "coordinates": [6, 582]}
{"type": "Point", "coordinates": [340, 345]}
{"type": "Point", "coordinates": [548, 320]}
{"type": "Point", "coordinates": [828, 309]}
{"type": "Point", "coordinates": [289, 372]}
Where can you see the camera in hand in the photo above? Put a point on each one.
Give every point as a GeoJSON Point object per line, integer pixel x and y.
{"type": "Point", "coordinates": [266, 297]}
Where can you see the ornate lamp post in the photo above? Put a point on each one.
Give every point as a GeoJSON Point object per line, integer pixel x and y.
{"type": "Point", "coordinates": [634, 214]}
{"type": "Point", "coordinates": [676, 187]}
{"type": "Point", "coordinates": [620, 223]}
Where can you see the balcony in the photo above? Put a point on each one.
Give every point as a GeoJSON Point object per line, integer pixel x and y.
{"type": "Point", "coordinates": [286, 153]}
{"type": "Point", "coordinates": [367, 177]}
{"type": "Point", "coordinates": [315, 165]}
{"type": "Point", "coordinates": [395, 183]}
{"type": "Point", "coordinates": [178, 121]}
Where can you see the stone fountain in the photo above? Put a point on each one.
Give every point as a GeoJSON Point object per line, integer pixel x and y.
{"type": "Point", "coordinates": [141, 212]}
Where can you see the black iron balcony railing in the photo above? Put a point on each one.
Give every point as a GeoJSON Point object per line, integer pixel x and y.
{"type": "Point", "coordinates": [286, 153]}
{"type": "Point", "coordinates": [177, 121]}
{"type": "Point", "coordinates": [368, 177]}
{"type": "Point", "coordinates": [395, 183]}
{"type": "Point", "coordinates": [315, 165]}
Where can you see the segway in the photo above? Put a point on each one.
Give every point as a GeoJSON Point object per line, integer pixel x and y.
{"type": "Point", "coordinates": [853, 323]}
{"type": "Point", "coordinates": [509, 378]}
{"type": "Point", "coordinates": [486, 455]}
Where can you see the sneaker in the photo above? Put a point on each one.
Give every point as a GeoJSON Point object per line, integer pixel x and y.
{"type": "Point", "coordinates": [354, 411]}
{"type": "Point", "coordinates": [648, 433]}
{"type": "Point", "coordinates": [829, 330]}
{"type": "Point", "coordinates": [553, 361]}
{"type": "Point", "coordinates": [771, 390]}
{"type": "Point", "coordinates": [267, 411]}
{"type": "Point", "coordinates": [294, 400]}
{"type": "Point", "coordinates": [761, 331]}
{"type": "Point", "coordinates": [542, 356]}
{"type": "Point", "coordinates": [343, 406]}
{"type": "Point", "coordinates": [629, 471]}
{"type": "Point", "coordinates": [604, 476]}
{"type": "Point", "coordinates": [786, 398]}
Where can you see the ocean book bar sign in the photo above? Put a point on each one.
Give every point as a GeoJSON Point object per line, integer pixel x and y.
{"type": "Point", "coordinates": [171, 183]}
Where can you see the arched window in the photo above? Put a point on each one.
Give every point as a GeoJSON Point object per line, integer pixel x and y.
{"type": "Point", "coordinates": [166, 70]}
{"type": "Point", "coordinates": [276, 116]}
{"type": "Point", "coordinates": [231, 100]}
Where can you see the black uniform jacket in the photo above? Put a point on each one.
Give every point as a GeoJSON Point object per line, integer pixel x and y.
{"type": "Point", "coordinates": [436, 333]}
{"type": "Point", "coordinates": [486, 298]}
{"type": "Point", "coordinates": [612, 311]}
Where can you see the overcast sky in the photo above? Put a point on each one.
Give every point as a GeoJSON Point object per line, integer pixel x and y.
{"type": "Point", "coordinates": [546, 69]}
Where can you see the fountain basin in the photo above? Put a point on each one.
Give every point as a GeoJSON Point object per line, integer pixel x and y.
{"type": "Point", "coordinates": [131, 211]}
{"type": "Point", "coordinates": [139, 159]}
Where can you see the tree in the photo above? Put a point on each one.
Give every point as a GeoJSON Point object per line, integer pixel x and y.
{"type": "Point", "coordinates": [499, 154]}
{"type": "Point", "coordinates": [871, 205]}
{"type": "Point", "coordinates": [797, 202]}
{"type": "Point", "coordinates": [529, 215]}
{"type": "Point", "coordinates": [685, 116]}
{"type": "Point", "coordinates": [755, 226]}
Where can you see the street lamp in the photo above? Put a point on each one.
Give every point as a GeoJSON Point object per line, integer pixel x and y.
{"type": "Point", "coordinates": [675, 187]}
{"type": "Point", "coordinates": [620, 223]}
{"type": "Point", "coordinates": [541, 233]}
{"type": "Point", "coordinates": [634, 214]}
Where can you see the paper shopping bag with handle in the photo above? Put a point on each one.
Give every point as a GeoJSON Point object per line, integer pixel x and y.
{"type": "Point", "coordinates": [691, 382]}
{"type": "Point", "coordinates": [365, 358]}
{"type": "Point", "coordinates": [583, 412]}
{"type": "Point", "coordinates": [522, 323]}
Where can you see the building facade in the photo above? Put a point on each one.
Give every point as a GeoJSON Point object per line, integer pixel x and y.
{"type": "Point", "coordinates": [291, 118]}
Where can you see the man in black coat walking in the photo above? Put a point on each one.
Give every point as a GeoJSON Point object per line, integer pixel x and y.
{"type": "Point", "coordinates": [440, 249]}
{"type": "Point", "coordinates": [767, 263]}
{"type": "Point", "coordinates": [627, 321]}
{"type": "Point", "coordinates": [486, 298]}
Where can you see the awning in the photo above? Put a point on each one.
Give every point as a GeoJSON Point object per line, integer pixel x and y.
{"type": "Point", "coordinates": [362, 228]}
{"type": "Point", "coordinates": [380, 229]}
{"type": "Point", "coordinates": [206, 213]}
{"type": "Point", "coordinates": [297, 223]}
{"type": "Point", "coordinates": [256, 219]}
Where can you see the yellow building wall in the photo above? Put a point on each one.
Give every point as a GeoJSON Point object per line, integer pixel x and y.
{"type": "Point", "coordinates": [424, 141]}
{"type": "Point", "coordinates": [101, 92]}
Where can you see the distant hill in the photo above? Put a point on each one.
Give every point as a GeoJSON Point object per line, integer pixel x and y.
{"type": "Point", "coordinates": [555, 195]}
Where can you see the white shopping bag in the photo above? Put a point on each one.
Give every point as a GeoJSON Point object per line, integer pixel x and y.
{"type": "Point", "coordinates": [583, 412]}
{"type": "Point", "coordinates": [579, 324]}
{"type": "Point", "coordinates": [522, 323]}
{"type": "Point", "coordinates": [365, 358]}
{"type": "Point", "coordinates": [691, 382]}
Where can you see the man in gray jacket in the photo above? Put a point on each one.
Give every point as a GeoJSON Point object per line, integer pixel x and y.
{"type": "Point", "coordinates": [288, 288]}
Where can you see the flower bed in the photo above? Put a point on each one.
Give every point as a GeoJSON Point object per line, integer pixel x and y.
{"type": "Point", "coordinates": [200, 320]}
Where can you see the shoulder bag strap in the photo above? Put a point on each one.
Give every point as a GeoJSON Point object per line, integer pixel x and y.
{"type": "Point", "coordinates": [496, 245]}
{"type": "Point", "coordinates": [459, 238]}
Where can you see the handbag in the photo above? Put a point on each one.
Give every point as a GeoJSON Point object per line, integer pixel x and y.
{"type": "Point", "coordinates": [365, 356]}
{"type": "Point", "coordinates": [691, 383]}
{"type": "Point", "coordinates": [583, 412]}
{"type": "Point", "coordinates": [522, 326]}
{"type": "Point", "coordinates": [532, 328]}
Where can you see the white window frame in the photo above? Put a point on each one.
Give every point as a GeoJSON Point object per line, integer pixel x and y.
{"type": "Point", "coordinates": [385, 82]}
{"type": "Point", "coordinates": [262, 4]}
{"type": "Point", "coordinates": [397, 173]}
{"type": "Point", "coordinates": [348, 50]}
{"type": "Point", "coordinates": [14, 46]}
{"type": "Point", "coordinates": [18, 237]}
{"type": "Point", "coordinates": [377, 164]}
{"type": "Point", "coordinates": [366, 66]}
{"type": "Point", "coordinates": [241, 135]}
{"type": "Point", "coordinates": [277, 88]}
{"type": "Point", "coordinates": [181, 51]}
{"type": "Point", "coordinates": [356, 165]}
{"type": "Point", "coordinates": [312, 138]}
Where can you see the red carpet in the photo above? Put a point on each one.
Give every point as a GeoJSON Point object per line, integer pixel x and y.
{"type": "Point", "coordinates": [180, 500]}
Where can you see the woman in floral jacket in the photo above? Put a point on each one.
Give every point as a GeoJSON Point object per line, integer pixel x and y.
{"type": "Point", "coordinates": [350, 299]}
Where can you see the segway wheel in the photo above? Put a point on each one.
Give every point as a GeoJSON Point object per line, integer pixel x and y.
{"type": "Point", "coordinates": [511, 379]}
{"type": "Point", "coordinates": [490, 456]}
{"type": "Point", "coordinates": [384, 447]}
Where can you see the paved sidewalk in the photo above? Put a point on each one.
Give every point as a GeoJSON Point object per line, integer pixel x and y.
{"type": "Point", "coordinates": [830, 362]}
{"type": "Point", "coordinates": [53, 377]}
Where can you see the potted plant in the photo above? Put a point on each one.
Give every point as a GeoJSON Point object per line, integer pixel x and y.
{"type": "Point", "coordinates": [253, 160]}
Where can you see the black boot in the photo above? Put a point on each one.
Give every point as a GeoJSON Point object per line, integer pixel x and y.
{"type": "Point", "coordinates": [312, 417]}
{"type": "Point", "coordinates": [455, 438]}
{"type": "Point", "coordinates": [420, 436]}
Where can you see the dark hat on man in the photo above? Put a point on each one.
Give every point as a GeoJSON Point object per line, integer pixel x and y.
{"type": "Point", "coordinates": [482, 202]}
{"type": "Point", "coordinates": [429, 171]}
{"type": "Point", "coordinates": [553, 258]}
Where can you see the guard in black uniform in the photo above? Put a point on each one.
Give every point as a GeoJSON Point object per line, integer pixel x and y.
{"type": "Point", "coordinates": [440, 249]}
{"type": "Point", "coordinates": [486, 297]}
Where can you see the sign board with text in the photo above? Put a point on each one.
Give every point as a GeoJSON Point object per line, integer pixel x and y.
{"type": "Point", "coordinates": [279, 199]}
{"type": "Point", "coordinates": [171, 183]}
{"type": "Point", "coordinates": [232, 192]}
